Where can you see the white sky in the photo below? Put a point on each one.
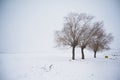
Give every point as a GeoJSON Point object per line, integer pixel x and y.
{"type": "Point", "coordinates": [29, 25]}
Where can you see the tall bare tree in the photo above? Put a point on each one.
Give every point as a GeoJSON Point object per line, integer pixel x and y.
{"type": "Point", "coordinates": [70, 33]}
{"type": "Point", "coordinates": [100, 40]}
{"type": "Point", "coordinates": [86, 32]}
{"type": "Point", "coordinates": [76, 32]}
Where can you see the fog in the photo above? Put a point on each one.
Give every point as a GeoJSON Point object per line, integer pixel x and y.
{"type": "Point", "coordinates": [29, 25]}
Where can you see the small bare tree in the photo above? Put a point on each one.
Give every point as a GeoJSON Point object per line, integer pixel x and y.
{"type": "Point", "coordinates": [69, 35]}
{"type": "Point", "coordinates": [100, 40]}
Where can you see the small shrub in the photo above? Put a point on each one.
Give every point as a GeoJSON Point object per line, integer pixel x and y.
{"type": "Point", "coordinates": [106, 56]}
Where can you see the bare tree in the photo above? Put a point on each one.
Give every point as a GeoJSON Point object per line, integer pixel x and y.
{"type": "Point", "coordinates": [86, 32]}
{"type": "Point", "coordinates": [69, 35]}
{"type": "Point", "coordinates": [76, 32]}
{"type": "Point", "coordinates": [100, 40]}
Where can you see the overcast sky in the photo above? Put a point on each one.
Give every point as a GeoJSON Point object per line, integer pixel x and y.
{"type": "Point", "coordinates": [29, 25]}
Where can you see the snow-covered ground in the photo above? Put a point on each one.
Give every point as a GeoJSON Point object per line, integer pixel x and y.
{"type": "Point", "coordinates": [58, 66]}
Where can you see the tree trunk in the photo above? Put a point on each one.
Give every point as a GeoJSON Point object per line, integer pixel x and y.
{"type": "Point", "coordinates": [94, 54]}
{"type": "Point", "coordinates": [73, 53]}
{"type": "Point", "coordinates": [83, 57]}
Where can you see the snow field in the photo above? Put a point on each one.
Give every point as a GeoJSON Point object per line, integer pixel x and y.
{"type": "Point", "coordinates": [58, 67]}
